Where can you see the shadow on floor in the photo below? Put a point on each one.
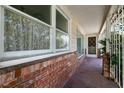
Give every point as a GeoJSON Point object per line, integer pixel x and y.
{"type": "Point", "coordinates": [88, 75]}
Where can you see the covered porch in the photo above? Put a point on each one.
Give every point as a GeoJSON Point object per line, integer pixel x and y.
{"type": "Point", "coordinates": [58, 46]}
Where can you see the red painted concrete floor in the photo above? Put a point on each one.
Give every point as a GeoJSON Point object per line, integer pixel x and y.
{"type": "Point", "coordinates": [88, 75]}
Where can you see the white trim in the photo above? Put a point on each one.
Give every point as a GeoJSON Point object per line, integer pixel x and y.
{"type": "Point", "coordinates": [116, 52]}
{"type": "Point", "coordinates": [69, 34]}
{"type": "Point", "coordinates": [1, 32]}
{"type": "Point", "coordinates": [62, 12]}
{"type": "Point", "coordinates": [53, 32]}
{"type": "Point", "coordinates": [82, 44]}
{"type": "Point", "coordinates": [16, 54]}
{"type": "Point", "coordinates": [85, 45]}
{"type": "Point", "coordinates": [111, 67]}
{"type": "Point", "coordinates": [120, 30]}
{"type": "Point", "coordinates": [61, 31]}
{"type": "Point", "coordinates": [28, 60]}
{"type": "Point", "coordinates": [62, 49]}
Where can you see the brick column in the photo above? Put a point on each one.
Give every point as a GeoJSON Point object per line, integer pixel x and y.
{"type": "Point", "coordinates": [106, 65]}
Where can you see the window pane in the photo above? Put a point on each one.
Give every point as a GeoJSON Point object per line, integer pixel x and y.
{"type": "Point", "coordinates": [40, 37]}
{"type": "Point", "coordinates": [61, 22]}
{"type": "Point", "coordinates": [24, 34]}
{"type": "Point", "coordinates": [42, 12]}
{"type": "Point", "coordinates": [80, 43]}
{"type": "Point", "coordinates": [79, 46]}
{"type": "Point", "coordinates": [61, 40]}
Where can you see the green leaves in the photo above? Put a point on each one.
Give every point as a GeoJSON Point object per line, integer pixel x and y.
{"type": "Point", "coordinates": [115, 59]}
{"type": "Point", "coordinates": [103, 42]}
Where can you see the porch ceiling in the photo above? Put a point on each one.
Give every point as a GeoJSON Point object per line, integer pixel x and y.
{"type": "Point", "coordinates": [90, 17]}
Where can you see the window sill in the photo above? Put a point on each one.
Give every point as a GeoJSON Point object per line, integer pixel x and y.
{"type": "Point", "coordinates": [12, 64]}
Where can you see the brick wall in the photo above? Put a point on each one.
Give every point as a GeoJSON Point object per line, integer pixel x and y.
{"type": "Point", "coordinates": [53, 72]}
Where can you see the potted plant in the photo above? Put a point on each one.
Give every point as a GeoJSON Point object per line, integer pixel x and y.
{"type": "Point", "coordinates": [106, 59]}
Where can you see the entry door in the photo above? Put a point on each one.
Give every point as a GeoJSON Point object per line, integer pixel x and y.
{"type": "Point", "coordinates": [91, 45]}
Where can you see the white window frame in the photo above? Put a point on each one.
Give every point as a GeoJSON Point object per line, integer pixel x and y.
{"type": "Point", "coordinates": [1, 32]}
{"type": "Point", "coordinates": [19, 54]}
{"type": "Point", "coordinates": [66, 33]}
{"type": "Point", "coordinates": [15, 54]}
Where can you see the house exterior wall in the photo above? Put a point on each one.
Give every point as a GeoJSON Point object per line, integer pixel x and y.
{"type": "Point", "coordinates": [73, 38]}
{"type": "Point", "coordinates": [49, 72]}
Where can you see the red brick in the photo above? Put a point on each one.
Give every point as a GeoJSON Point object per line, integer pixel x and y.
{"type": "Point", "coordinates": [37, 66]}
{"type": "Point", "coordinates": [39, 83]}
{"type": "Point", "coordinates": [8, 77]}
{"type": "Point", "coordinates": [20, 85]}
{"type": "Point", "coordinates": [26, 72]}
{"type": "Point", "coordinates": [45, 64]}
{"type": "Point", "coordinates": [17, 73]}
{"type": "Point", "coordinates": [10, 84]}
{"type": "Point", "coordinates": [29, 83]}
{"type": "Point", "coordinates": [52, 73]}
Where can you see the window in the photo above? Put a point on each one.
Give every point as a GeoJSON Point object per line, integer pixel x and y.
{"type": "Point", "coordinates": [80, 43]}
{"type": "Point", "coordinates": [24, 34]}
{"type": "Point", "coordinates": [62, 37]}
{"type": "Point", "coordinates": [27, 30]}
{"type": "Point", "coordinates": [61, 22]}
{"type": "Point", "coordinates": [61, 40]}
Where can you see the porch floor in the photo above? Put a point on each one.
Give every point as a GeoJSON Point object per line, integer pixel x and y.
{"type": "Point", "coordinates": [88, 75]}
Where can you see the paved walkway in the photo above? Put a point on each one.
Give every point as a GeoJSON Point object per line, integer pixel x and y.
{"type": "Point", "coordinates": [88, 75]}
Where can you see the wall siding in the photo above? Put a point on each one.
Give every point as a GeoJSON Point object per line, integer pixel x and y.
{"type": "Point", "coordinates": [73, 36]}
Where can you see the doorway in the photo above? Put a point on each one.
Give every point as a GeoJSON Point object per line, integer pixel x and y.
{"type": "Point", "coordinates": [92, 46]}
